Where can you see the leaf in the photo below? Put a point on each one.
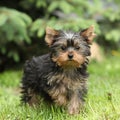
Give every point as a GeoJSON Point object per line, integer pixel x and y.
{"type": "Point", "coordinates": [27, 20]}
{"type": "Point", "coordinates": [40, 3]}
{"type": "Point", "coordinates": [36, 25]}
{"type": "Point", "coordinates": [14, 55]}
{"type": "Point", "coordinates": [3, 19]}
{"type": "Point", "coordinates": [3, 50]}
{"type": "Point", "coordinates": [66, 7]}
{"type": "Point", "coordinates": [40, 32]}
{"type": "Point", "coordinates": [53, 6]}
{"type": "Point", "coordinates": [113, 35]}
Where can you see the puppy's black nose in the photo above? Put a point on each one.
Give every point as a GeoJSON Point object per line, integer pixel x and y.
{"type": "Point", "coordinates": [70, 56]}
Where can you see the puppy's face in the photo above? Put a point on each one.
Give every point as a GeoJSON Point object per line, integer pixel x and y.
{"type": "Point", "coordinates": [69, 49]}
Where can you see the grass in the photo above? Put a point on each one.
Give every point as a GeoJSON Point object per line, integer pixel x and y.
{"type": "Point", "coordinates": [102, 102]}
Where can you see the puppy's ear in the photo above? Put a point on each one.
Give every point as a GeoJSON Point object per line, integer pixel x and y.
{"type": "Point", "coordinates": [88, 34]}
{"type": "Point", "coordinates": [50, 35]}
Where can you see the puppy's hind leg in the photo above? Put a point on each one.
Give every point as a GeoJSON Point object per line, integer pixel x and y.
{"type": "Point", "coordinates": [29, 96]}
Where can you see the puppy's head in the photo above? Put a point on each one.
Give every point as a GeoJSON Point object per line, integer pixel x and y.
{"type": "Point", "coordinates": [69, 49]}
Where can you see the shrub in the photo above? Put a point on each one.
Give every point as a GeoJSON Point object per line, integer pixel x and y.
{"type": "Point", "coordinates": [13, 32]}
{"type": "Point", "coordinates": [23, 22]}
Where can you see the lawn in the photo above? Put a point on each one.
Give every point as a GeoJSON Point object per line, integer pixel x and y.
{"type": "Point", "coordinates": [102, 102]}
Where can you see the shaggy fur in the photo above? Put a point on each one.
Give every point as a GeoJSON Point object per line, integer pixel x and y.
{"type": "Point", "coordinates": [61, 75]}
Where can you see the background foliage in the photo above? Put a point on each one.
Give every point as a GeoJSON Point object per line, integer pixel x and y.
{"type": "Point", "coordinates": [23, 23]}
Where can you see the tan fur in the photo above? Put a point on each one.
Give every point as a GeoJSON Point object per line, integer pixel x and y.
{"type": "Point", "coordinates": [50, 33]}
{"type": "Point", "coordinates": [74, 105]}
{"type": "Point", "coordinates": [59, 95]}
{"type": "Point", "coordinates": [89, 34]}
{"type": "Point", "coordinates": [63, 60]}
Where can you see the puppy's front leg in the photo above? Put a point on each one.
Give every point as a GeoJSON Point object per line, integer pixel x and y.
{"type": "Point", "coordinates": [75, 103]}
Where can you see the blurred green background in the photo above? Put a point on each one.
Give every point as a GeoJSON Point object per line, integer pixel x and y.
{"type": "Point", "coordinates": [22, 32]}
{"type": "Point", "coordinates": [23, 23]}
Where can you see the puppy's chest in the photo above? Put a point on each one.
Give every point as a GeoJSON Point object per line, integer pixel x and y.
{"type": "Point", "coordinates": [67, 81]}
{"type": "Point", "coordinates": [60, 86]}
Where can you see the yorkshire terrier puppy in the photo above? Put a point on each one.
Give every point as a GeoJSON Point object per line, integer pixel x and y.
{"type": "Point", "coordinates": [61, 75]}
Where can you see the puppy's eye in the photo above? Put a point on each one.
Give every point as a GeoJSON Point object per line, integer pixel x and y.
{"type": "Point", "coordinates": [63, 47]}
{"type": "Point", "coordinates": [77, 47]}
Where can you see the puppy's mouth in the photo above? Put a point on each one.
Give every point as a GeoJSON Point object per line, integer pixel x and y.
{"type": "Point", "coordinates": [70, 60]}
{"type": "Point", "coordinates": [70, 64]}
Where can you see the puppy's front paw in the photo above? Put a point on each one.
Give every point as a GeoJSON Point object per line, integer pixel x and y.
{"type": "Point", "coordinates": [74, 109]}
